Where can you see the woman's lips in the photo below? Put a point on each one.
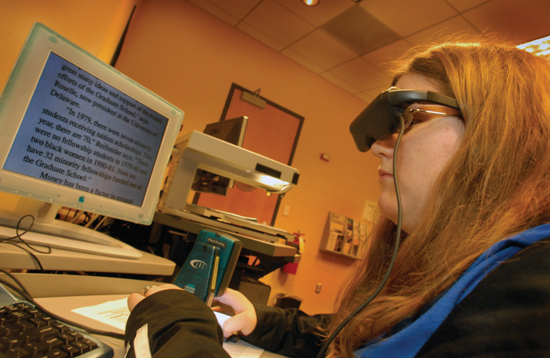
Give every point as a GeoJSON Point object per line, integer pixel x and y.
{"type": "Point", "coordinates": [384, 174]}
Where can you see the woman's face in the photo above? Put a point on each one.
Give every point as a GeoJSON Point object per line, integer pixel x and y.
{"type": "Point", "coordinates": [425, 149]}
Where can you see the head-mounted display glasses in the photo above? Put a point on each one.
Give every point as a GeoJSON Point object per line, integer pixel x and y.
{"type": "Point", "coordinates": [381, 117]}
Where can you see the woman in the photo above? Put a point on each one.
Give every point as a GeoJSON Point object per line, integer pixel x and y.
{"type": "Point", "coordinates": [471, 276]}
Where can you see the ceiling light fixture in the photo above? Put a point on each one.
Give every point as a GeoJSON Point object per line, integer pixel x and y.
{"type": "Point", "coordinates": [539, 47]}
{"type": "Point", "coordinates": [311, 2]}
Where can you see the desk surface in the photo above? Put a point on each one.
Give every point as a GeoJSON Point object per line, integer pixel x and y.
{"type": "Point", "coordinates": [273, 249]}
{"type": "Point", "coordinates": [14, 258]}
{"type": "Point", "coordinates": [62, 293]}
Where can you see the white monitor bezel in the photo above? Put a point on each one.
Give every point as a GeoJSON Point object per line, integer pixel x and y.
{"type": "Point", "coordinates": [17, 95]}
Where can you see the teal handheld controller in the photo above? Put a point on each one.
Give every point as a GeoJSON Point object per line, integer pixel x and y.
{"type": "Point", "coordinates": [197, 273]}
{"type": "Point", "coordinates": [210, 265]}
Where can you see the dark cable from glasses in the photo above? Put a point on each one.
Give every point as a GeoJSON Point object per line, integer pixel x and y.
{"type": "Point", "coordinates": [395, 248]}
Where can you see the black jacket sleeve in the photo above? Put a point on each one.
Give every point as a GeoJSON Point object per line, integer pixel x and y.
{"type": "Point", "coordinates": [289, 331]}
{"type": "Point", "coordinates": [179, 325]}
{"type": "Point", "coordinates": [506, 315]}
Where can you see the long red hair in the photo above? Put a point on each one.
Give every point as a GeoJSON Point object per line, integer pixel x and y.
{"type": "Point", "coordinates": [497, 184]}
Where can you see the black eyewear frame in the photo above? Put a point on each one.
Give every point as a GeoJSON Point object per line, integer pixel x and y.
{"type": "Point", "coordinates": [381, 117]}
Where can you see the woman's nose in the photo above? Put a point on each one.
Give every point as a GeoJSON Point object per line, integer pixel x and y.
{"type": "Point", "coordinates": [383, 148]}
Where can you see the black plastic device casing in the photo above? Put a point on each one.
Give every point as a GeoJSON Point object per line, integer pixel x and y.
{"type": "Point", "coordinates": [381, 117]}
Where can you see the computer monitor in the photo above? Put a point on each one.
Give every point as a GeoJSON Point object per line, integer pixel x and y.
{"type": "Point", "coordinates": [76, 132]}
{"type": "Point", "coordinates": [229, 130]}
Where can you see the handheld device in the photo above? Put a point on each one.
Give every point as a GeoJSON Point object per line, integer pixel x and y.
{"type": "Point", "coordinates": [199, 273]}
{"type": "Point", "coordinates": [210, 265]}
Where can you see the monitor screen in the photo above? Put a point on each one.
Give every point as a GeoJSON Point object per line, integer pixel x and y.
{"type": "Point", "coordinates": [76, 132]}
{"type": "Point", "coordinates": [229, 130]}
{"type": "Point", "coordinates": [96, 142]}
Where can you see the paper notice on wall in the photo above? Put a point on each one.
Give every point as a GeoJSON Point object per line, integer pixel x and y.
{"type": "Point", "coordinates": [369, 211]}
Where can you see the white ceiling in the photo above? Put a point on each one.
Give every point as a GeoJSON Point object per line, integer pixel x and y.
{"type": "Point", "coordinates": [350, 43]}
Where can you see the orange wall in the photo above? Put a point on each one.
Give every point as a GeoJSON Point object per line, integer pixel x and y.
{"type": "Point", "coordinates": [191, 58]}
{"type": "Point", "coordinates": [95, 26]}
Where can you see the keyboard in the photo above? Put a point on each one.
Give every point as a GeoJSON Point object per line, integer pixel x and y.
{"type": "Point", "coordinates": [27, 332]}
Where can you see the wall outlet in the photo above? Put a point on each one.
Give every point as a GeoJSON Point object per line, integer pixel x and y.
{"type": "Point", "coordinates": [286, 210]}
{"type": "Point", "coordinates": [318, 288]}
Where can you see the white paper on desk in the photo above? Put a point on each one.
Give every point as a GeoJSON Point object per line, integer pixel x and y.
{"type": "Point", "coordinates": [113, 313]}
{"type": "Point", "coordinates": [116, 313]}
{"type": "Point", "coordinates": [241, 349]}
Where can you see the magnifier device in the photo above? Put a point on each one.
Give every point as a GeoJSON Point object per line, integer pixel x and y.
{"type": "Point", "coordinates": [381, 117]}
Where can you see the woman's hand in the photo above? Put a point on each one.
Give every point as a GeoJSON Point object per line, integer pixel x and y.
{"type": "Point", "coordinates": [136, 298]}
{"type": "Point", "coordinates": [244, 320]}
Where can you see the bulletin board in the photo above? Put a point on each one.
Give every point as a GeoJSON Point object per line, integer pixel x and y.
{"type": "Point", "coordinates": [272, 131]}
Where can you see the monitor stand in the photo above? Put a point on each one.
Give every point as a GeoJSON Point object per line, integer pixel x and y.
{"type": "Point", "coordinates": [48, 231]}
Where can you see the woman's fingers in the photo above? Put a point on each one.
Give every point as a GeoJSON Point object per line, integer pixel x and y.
{"type": "Point", "coordinates": [242, 322]}
{"type": "Point", "coordinates": [236, 300]}
{"type": "Point", "coordinates": [134, 299]}
{"type": "Point", "coordinates": [147, 291]}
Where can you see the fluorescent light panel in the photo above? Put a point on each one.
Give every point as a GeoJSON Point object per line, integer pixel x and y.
{"type": "Point", "coordinates": [539, 47]}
